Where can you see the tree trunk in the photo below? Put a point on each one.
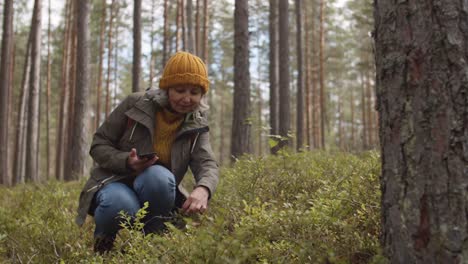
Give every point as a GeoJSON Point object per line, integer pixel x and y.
{"type": "Point", "coordinates": [206, 18]}
{"type": "Point", "coordinates": [197, 28]}
{"type": "Point", "coordinates": [64, 97]}
{"type": "Point", "coordinates": [79, 144]}
{"type": "Point", "coordinates": [300, 79]}
{"type": "Point", "coordinates": [352, 143]}
{"type": "Point", "coordinates": [19, 164]}
{"type": "Point", "coordinates": [363, 112]}
{"type": "Point", "coordinates": [284, 107]}
{"type": "Point", "coordinates": [178, 22]}
{"type": "Point", "coordinates": [101, 59]}
{"type": "Point", "coordinates": [32, 143]}
{"type": "Point", "coordinates": [308, 105]}
{"type": "Point", "coordinates": [165, 34]}
{"type": "Point", "coordinates": [421, 59]}
{"type": "Point", "coordinates": [5, 75]}
{"type": "Point", "coordinates": [136, 46]}
{"type": "Point", "coordinates": [152, 52]}
{"type": "Point", "coordinates": [109, 57]}
{"type": "Point", "coordinates": [323, 108]}
{"type": "Point", "coordinates": [240, 142]}
{"type": "Point", "coordinates": [49, 77]}
{"type": "Point", "coordinates": [190, 35]}
{"type": "Point", "coordinates": [273, 70]}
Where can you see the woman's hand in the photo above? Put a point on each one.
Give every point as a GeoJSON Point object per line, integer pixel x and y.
{"type": "Point", "coordinates": [137, 164]}
{"type": "Point", "coordinates": [197, 202]}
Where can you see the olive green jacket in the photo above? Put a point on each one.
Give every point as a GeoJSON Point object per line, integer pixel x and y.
{"type": "Point", "coordinates": [131, 125]}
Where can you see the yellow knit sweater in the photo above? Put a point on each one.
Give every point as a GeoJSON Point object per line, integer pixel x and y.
{"type": "Point", "coordinates": [166, 126]}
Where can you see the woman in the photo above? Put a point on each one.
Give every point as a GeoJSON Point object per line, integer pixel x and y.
{"type": "Point", "coordinates": [171, 122]}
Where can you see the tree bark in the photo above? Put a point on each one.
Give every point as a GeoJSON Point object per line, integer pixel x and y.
{"type": "Point", "coordinates": [308, 83]}
{"type": "Point", "coordinates": [109, 57]}
{"type": "Point", "coordinates": [241, 122]}
{"type": "Point", "coordinates": [300, 79]}
{"type": "Point", "coordinates": [273, 68]}
{"type": "Point", "coordinates": [206, 19]}
{"type": "Point", "coordinates": [32, 143]}
{"type": "Point", "coordinates": [152, 52]}
{"type": "Point", "coordinates": [64, 96]}
{"type": "Point", "coordinates": [178, 22]}
{"type": "Point", "coordinates": [190, 35]}
{"type": "Point", "coordinates": [79, 142]}
{"type": "Point", "coordinates": [100, 66]}
{"type": "Point", "coordinates": [284, 98]}
{"type": "Point", "coordinates": [422, 88]}
{"type": "Point", "coordinates": [197, 28]}
{"type": "Point", "coordinates": [136, 46]}
{"type": "Point", "coordinates": [165, 34]}
{"type": "Point", "coordinates": [323, 108]}
{"type": "Point", "coordinates": [5, 76]}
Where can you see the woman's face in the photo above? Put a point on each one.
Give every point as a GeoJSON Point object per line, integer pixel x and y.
{"type": "Point", "coordinates": [184, 98]}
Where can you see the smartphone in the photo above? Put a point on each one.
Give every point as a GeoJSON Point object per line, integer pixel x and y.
{"type": "Point", "coordinates": [147, 155]}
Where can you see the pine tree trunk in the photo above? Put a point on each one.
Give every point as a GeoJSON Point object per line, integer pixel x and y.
{"type": "Point", "coordinates": [101, 60]}
{"type": "Point", "coordinates": [178, 22]}
{"type": "Point", "coordinates": [308, 105]}
{"type": "Point", "coordinates": [165, 34]}
{"type": "Point", "coordinates": [5, 75]}
{"type": "Point", "coordinates": [273, 68]}
{"type": "Point", "coordinates": [152, 52]}
{"type": "Point", "coordinates": [49, 77]}
{"type": "Point", "coordinates": [32, 142]}
{"type": "Point", "coordinates": [19, 164]}
{"type": "Point", "coordinates": [190, 35]}
{"type": "Point", "coordinates": [323, 109]}
{"type": "Point", "coordinates": [197, 28]}
{"type": "Point", "coordinates": [136, 46]}
{"type": "Point", "coordinates": [300, 79]}
{"type": "Point", "coordinates": [352, 140]}
{"type": "Point", "coordinates": [363, 112]}
{"type": "Point", "coordinates": [422, 88]}
{"type": "Point", "coordinates": [79, 144]}
{"type": "Point", "coordinates": [183, 25]}
{"type": "Point", "coordinates": [64, 96]}
{"type": "Point", "coordinates": [206, 19]}
{"type": "Point", "coordinates": [240, 142]}
{"type": "Point", "coordinates": [284, 98]}
{"type": "Point", "coordinates": [109, 57]}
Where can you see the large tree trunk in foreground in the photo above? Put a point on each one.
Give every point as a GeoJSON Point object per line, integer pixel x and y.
{"type": "Point", "coordinates": [284, 106]}
{"type": "Point", "coordinates": [422, 91]}
{"type": "Point", "coordinates": [273, 67]}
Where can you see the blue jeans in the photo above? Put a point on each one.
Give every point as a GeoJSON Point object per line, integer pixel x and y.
{"type": "Point", "coordinates": [155, 185]}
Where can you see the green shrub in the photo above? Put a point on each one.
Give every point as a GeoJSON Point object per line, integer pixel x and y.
{"type": "Point", "coordinates": [311, 207]}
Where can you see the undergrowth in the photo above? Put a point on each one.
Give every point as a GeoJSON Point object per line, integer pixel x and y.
{"type": "Point", "coordinates": [312, 207]}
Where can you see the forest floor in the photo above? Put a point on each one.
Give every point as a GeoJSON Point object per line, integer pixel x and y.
{"type": "Point", "coordinates": [312, 207]}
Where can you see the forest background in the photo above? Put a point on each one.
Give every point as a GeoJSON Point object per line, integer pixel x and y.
{"type": "Point", "coordinates": [315, 92]}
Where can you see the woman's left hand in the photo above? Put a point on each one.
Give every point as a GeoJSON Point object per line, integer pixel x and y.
{"type": "Point", "coordinates": [197, 202]}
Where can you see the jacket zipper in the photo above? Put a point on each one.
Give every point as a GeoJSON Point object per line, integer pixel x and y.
{"type": "Point", "coordinates": [194, 143]}
{"type": "Point", "coordinates": [133, 130]}
{"type": "Point", "coordinates": [101, 183]}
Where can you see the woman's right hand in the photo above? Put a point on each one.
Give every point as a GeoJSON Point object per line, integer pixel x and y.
{"type": "Point", "coordinates": [137, 164]}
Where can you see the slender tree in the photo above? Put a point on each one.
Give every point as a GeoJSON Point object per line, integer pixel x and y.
{"type": "Point", "coordinates": [64, 95]}
{"type": "Point", "coordinates": [308, 83]}
{"type": "Point", "coordinates": [197, 28]}
{"type": "Point", "coordinates": [32, 166]}
{"type": "Point", "coordinates": [165, 34]}
{"type": "Point", "coordinates": [240, 142]}
{"type": "Point", "coordinates": [190, 35]}
{"type": "Point", "coordinates": [323, 108]}
{"type": "Point", "coordinates": [206, 19]}
{"type": "Point", "coordinates": [102, 30]}
{"type": "Point", "coordinates": [273, 71]}
{"type": "Point", "coordinates": [49, 77]}
{"type": "Point", "coordinates": [109, 56]}
{"type": "Point", "coordinates": [178, 24]}
{"type": "Point", "coordinates": [5, 75]}
{"type": "Point", "coordinates": [152, 52]}
{"type": "Point", "coordinates": [421, 61]}
{"type": "Point", "coordinates": [300, 79]}
{"type": "Point", "coordinates": [136, 46]}
{"type": "Point", "coordinates": [284, 98]}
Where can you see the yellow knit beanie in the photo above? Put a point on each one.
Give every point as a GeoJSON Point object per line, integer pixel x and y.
{"type": "Point", "coordinates": [184, 68]}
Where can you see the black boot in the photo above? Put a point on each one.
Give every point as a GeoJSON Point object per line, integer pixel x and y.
{"type": "Point", "coordinates": [103, 244]}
